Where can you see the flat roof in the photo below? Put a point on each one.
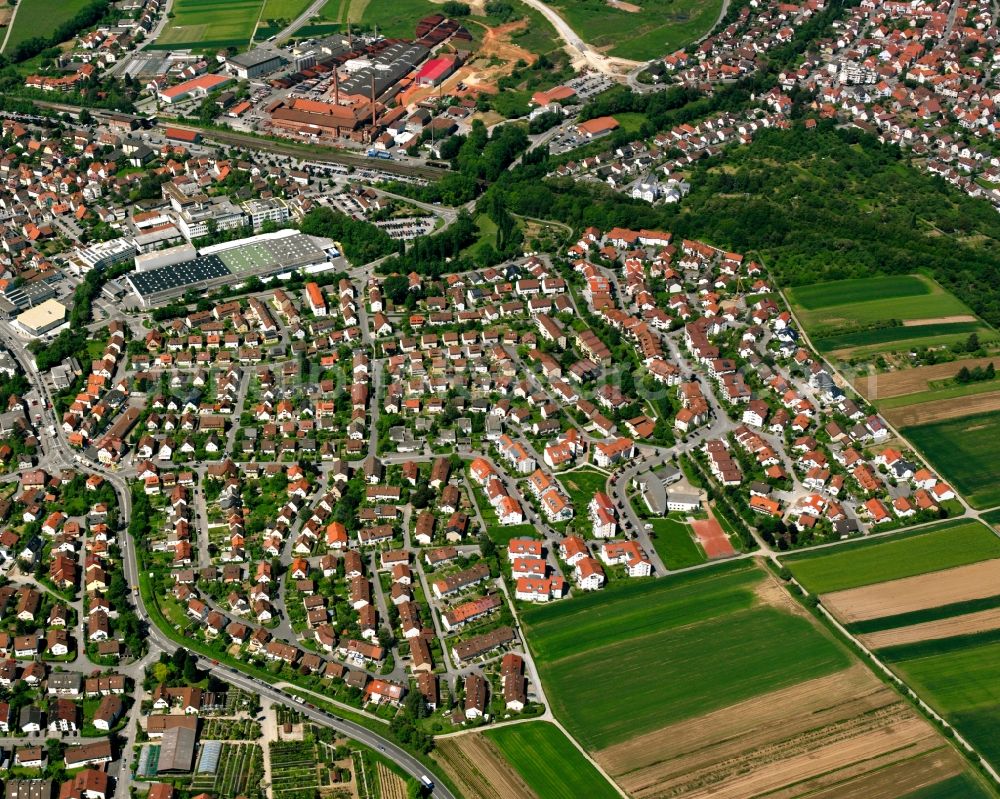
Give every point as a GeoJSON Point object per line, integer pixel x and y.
{"type": "Point", "coordinates": [166, 278]}
{"type": "Point", "coordinates": [43, 315]}
{"type": "Point", "coordinates": [254, 58]}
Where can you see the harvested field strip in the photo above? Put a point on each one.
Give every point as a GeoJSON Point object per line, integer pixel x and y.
{"type": "Point", "coordinates": [964, 625]}
{"type": "Point", "coordinates": [938, 646]}
{"type": "Point", "coordinates": [903, 382]}
{"type": "Point", "coordinates": [927, 413]}
{"type": "Point", "coordinates": [478, 770]}
{"type": "Point", "coordinates": [787, 738]}
{"type": "Point", "coordinates": [975, 581]}
{"type": "Point", "coordinates": [722, 733]}
{"type": "Point", "coordinates": [925, 615]}
{"type": "Point", "coordinates": [918, 773]}
{"type": "Point", "coordinates": [876, 560]}
{"type": "Point", "coordinates": [827, 757]}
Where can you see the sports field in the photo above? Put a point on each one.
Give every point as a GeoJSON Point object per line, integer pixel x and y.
{"type": "Point", "coordinates": [675, 544]}
{"type": "Point", "coordinates": [549, 763]}
{"type": "Point", "coordinates": [963, 684]}
{"type": "Point", "coordinates": [210, 24]}
{"type": "Point", "coordinates": [642, 29]}
{"type": "Point", "coordinates": [40, 18]}
{"type": "Point", "coordinates": [670, 653]}
{"type": "Point", "coordinates": [966, 451]}
{"type": "Point", "coordinates": [876, 561]}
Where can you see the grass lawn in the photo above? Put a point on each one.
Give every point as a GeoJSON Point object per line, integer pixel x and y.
{"type": "Point", "coordinates": [40, 18]}
{"type": "Point", "coordinates": [674, 544]}
{"type": "Point", "coordinates": [965, 451]}
{"type": "Point", "coordinates": [581, 485]}
{"type": "Point", "coordinates": [502, 534]}
{"type": "Point", "coordinates": [549, 763]}
{"type": "Point", "coordinates": [630, 121]}
{"type": "Point", "coordinates": [211, 24]}
{"type": "Point", "coordinates": [964, 686]}
{"type": "Point", "coordinates": [657, 28]}
{"type": "Point", "coordinates": [398, 18]}
{"type": "Point", "coordinates": [869, 562]}
{"type": "Point", "coordinates": [671, 675]}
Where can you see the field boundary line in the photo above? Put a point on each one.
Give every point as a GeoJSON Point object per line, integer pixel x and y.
{"type": "Point", "coordinates": [10, 27]}
{"type": "Point", "coordinates": [901, 685]}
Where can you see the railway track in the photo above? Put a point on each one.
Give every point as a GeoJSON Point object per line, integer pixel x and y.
{"type": "Point", "coordinates": [294, 149]}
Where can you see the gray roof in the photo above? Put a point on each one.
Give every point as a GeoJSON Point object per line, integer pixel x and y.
{"type": "Point", "coordinates": [254, 58]}
{"type": "Point", "coordinates": [176, 750]}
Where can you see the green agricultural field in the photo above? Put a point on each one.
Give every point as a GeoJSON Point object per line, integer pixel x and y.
{"type": "Point", "coordinates": [549, 763]}
{"type": "Point", "coordinates": [40, 18]}
{"type": "Point", "coordinates": [642, 29]}
{"type": "Point", "coordinates": [966, 451]}
{"type": "Point", "coordinates": [832, 313]}
{"type": "Point", "coordinates": [961, 786]}
{"type": "Point", "coordinates": [848, 302]}
{"type": "Point", "coordinates": [671, 675]}
{"type": "Point", "coordinates": [581, 485]}
{"type": "Point", "coordinates": [964, 686]}
{"type": "Point", "coordinates": [627, 610]}
{"type": "Point", "coordinates": [211, 24]}
{"type": "Point", "coordinates": [835, 293]}
{"type": "Point", "coordinates": [876, 561]}
{"type": "Point", "coordinates": [673, 649]}
{"type": "Point", "coordinates": [884, 339]}
{"type": "Point", "coordinates": [674, 544]}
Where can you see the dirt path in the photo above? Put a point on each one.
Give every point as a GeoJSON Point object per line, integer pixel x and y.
{"type": "Point", "coordinates": [941, 320]}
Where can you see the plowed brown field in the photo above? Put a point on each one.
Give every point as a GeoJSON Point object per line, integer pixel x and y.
{"type": "Point", "coordinates": [478, 770]}
{"type": "Point", "coordinates": [940, 628]}
{"type": "Point", "coordinates": [975, 581]}
{"type": "Point", "coordinates": [834, 731]}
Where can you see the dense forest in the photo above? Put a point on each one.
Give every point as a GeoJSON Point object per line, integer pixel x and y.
{"type": "Point", "coordinates": [815, 205]}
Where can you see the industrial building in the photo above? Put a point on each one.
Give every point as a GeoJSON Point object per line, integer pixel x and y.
{"type": "Point", "coordinates": [254, 64]}
{"type": "Point", "coordinates": [102, 255]}
{"type": "Point", "coordinates": [273, 209]}
{"type": "Point", "coordinates": [169, 257]}
{"type": "Point", "coordinates": [201, 86]}
{"type": "Point", "coordinates": [43, 318]}
{"type": "Point", "coordinates": [223, 264]}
